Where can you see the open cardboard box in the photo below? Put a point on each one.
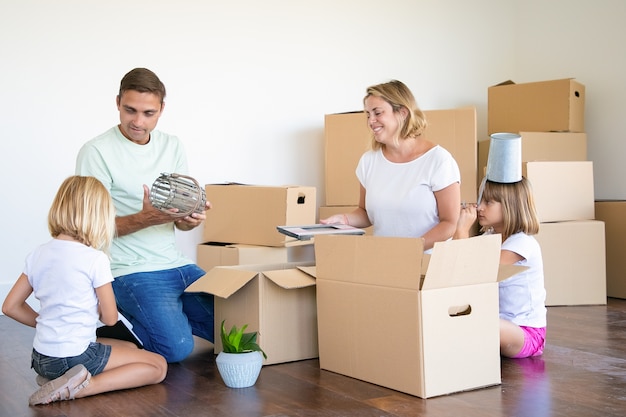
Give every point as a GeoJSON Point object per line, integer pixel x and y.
{"type": "Point", "coordinates": [275, 300]}
{"type": "Point", "coordinates": [212, 254]}
{"type": "Point", "coordinates": [424, 325]}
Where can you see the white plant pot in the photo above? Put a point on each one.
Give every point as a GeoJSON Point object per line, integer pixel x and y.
{"type": "Point", "coordinates": [239, 370]}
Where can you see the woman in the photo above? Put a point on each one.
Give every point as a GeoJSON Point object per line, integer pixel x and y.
{"type": "Point", "coordinates": [410, 187]}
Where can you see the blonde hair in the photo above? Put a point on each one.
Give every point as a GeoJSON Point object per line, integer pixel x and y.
{"type": "Point", "coordinates": [398, 95]}
{"type": "Point", "coordinates": [83, 209]}
{"type": "Point", "coordinates": [518, 206]}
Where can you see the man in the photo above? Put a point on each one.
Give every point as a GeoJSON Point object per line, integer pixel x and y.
{"type": "Point", "coordinates": [150, 272]}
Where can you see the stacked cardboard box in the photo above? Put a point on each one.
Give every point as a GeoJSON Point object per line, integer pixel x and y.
{"type": "Point", "coordinates": [613, 214]}
{"type": "Point", "coordinates": [549, 115]}
{"type": "Point", "coordinates": [347, 137]}
{"type": "Point", "coordinates": [259, 277]}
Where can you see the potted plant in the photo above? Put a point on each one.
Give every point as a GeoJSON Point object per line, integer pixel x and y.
{"type": "Point", "coordinates": [241, 359]}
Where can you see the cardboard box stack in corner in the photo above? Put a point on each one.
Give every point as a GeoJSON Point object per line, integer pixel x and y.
{"type": "Point", "coordinates": [347, 137]}
{"type": "Point", "coordinates": [613, 214]}
{"type": "Point", "coordinates": [549, 115]}
{"type": "Point", "coordinates": [424, 325]}
{"type": "Point", "coordinates": [257, 274]}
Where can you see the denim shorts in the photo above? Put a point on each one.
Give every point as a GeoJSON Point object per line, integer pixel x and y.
{"type": "Point", "coordinates": [94, 358]}
{"type": "Point", "coordinates": [534, 342]}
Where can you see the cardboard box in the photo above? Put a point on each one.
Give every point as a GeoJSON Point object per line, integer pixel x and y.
{"type": "Point", "coordinates": [249, 214]}
{"type": "Point", "coordinates": [423, 325]}
{"type": "Point", "coordinates": [276, 300]}
{"type": "Point", "coordinates": [212, 254]}
{"type": "Point", "coordinates": [563, 190]}
{"type": "Point", "coordinates": [327, 211]}
{"type": "Point", "coordinates": [542, 146]}
{"type": "Point", "coordinates": [574, 264]}
{"type": "Point", "coordinates": [544, 106]}
{"type": "Point", "coordinates": [613, 214]}
{"type": "Point", "coordinates": [347, 137]}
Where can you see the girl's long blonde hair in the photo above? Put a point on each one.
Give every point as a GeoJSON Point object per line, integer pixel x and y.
{"type": "Point", "coordinates": [83, 209]}
{"type": "Point", "coordinates": [518, 206]}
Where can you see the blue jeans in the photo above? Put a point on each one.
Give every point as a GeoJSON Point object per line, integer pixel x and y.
{"type": "Point", "coordinates": [163, 315]}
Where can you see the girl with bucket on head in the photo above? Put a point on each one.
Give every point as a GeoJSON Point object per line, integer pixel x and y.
{"type": "Point", "coordinates": [506, 206]}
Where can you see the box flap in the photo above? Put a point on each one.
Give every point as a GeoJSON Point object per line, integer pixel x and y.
{"type": "Point", "coordinates": [507, 82]}
{"type": "Point", "coordinates": [464, 262]}
{"type": "Point", "coordinates": [311, 270]}
{"type": "Point", "coordinates": [511, 82]}
{"type": "Point", "coordinates": [507, 271]}
{"type": "Point", "coordinates": [222, 281]}
{"type": "Point", "coordinates": [370, 260]}
{"type": "Point", "coordinates": [290, 278]}
{"type": "Point", "coordinates": [425, 263]}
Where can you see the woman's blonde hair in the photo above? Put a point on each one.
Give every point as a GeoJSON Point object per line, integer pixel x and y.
{"type": "Point", "coordinates": [398, 95]}
{"type": "Point", "coordinates": [518, 206]}
{"type": "Point", "coordinates": [83, 209]}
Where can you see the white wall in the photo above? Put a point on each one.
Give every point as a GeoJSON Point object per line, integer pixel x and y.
{"type": "Point", "coordinates": [249, 82]}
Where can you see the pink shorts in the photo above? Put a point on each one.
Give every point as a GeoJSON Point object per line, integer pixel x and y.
{"type": "Point", "coordinates": [534, 342]}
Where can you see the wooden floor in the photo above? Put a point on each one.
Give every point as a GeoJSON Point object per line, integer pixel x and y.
{"type": "Point", "coordinates": [582, 373]}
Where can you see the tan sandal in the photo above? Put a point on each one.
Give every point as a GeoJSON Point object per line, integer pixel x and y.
{"type": "Point", "coordinates": [41, 380]}
{"type": "Point", "coordinates": [63, 388]}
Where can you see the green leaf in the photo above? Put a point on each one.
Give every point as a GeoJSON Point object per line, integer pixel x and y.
{"type": "Point", "coordinates": [236, 341]}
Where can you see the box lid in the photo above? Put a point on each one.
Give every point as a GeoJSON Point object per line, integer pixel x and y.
{"type": "Point", "coordinates": [511, 82]}
{"type": "Point", "coordinates": [224, 281]}
{"type": "Point", "coordinates": [290, 278]}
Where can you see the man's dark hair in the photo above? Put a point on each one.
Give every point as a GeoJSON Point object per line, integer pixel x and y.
{"type": "Point", "coordinates": [144, 81]}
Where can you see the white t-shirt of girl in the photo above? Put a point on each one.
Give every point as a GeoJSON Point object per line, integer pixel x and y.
{"type": "Point", "coordinates": [399, 198]}
{"type": "Point", "coordinates": [64, 275]}
{"type": "Point", "coordinates": [523, 296]}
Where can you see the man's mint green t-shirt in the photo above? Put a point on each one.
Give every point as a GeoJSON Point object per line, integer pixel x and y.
{"type": "Point", "coordinates": [124, 167]}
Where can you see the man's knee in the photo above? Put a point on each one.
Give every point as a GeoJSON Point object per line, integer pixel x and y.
{"type": "Point", "coordinates": [176, 351]}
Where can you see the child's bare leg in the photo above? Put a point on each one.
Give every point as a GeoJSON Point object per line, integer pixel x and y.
{"type": "Point", "coordinates": [511, 338]}
{"type": "Point", "coordinates": [116, 342]}
{"type": "Point", "coordinates": [128, 367]}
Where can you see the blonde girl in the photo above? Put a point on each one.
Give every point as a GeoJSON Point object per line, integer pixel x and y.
{"type": "Point", "coordinates": [509, 209]}
{"type": "Point", "coordinates": [70, 276]}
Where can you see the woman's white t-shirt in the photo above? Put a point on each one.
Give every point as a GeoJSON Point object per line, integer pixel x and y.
{"type": "Point", "coordinates": [399, 199]}
{"type": "Point", "coordinates": [64, 275]}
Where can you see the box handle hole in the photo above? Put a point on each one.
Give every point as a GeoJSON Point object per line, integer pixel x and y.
{"type": "Point", "coordinates": [463, 310]}
{"type": "Point", "coordinates": [301, 199]}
